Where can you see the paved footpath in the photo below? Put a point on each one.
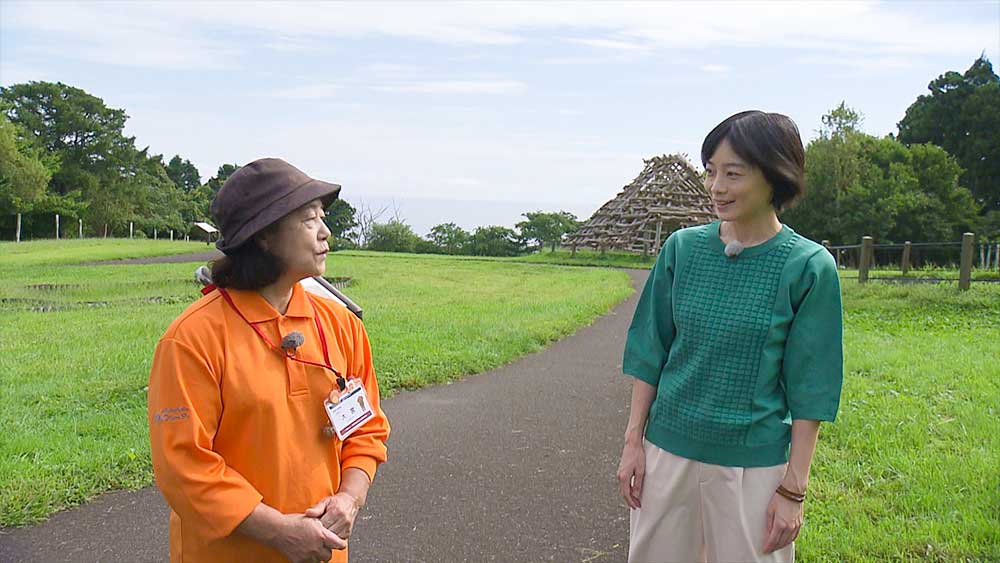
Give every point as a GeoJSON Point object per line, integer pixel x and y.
{"type": "Point", "coordinates": [516, 464]}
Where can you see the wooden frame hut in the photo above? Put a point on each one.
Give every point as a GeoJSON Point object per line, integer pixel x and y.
{"type": "Point", "coordinates": [667, 195]}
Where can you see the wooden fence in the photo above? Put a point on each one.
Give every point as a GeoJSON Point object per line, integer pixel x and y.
{"type": "Point", "coordinates": [989, 256]}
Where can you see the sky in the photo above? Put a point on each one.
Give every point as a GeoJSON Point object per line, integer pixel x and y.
{"type": "Point", "coordinates": [476, 112]}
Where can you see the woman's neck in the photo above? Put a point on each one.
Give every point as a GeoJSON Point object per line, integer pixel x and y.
{"type": "Point", "coordinates": [752, 231]}
{"type": "Point", "coordinates": [278, 294]}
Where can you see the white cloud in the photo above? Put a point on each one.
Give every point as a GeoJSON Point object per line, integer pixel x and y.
{"type": "Point", "coordinates": [307, 92]}
{"type": "Point", "coordinates": [715, 69]}
{"type": "Point", "coordinates": [456, 87]}
{"type": "Point", "coordinates": [611, 44]}
{"type": "Point", "coordinates": [122, 34]}
{"type": "Point", "coordinates": [188, 35]}
{"type": "Point", "coordinates": [858, 62]}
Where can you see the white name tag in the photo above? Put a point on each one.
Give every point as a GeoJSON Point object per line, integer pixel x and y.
{"type": "Point", "coordinates": [351, 411]}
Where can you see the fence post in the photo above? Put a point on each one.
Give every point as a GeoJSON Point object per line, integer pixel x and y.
{"type": "Point", "coordinates": [80, 221]}
{"type": "Point", "coordinates": [57, 226]}
{"type": "Point", "coordinates": [171, 235]}
{"type": "Point", "coordinates": [866, 259]}
{"type": "Point", "coordinates": [130, 229]}
{"type": "Point", "coordinates": [906, 257]}
{"type": "Point", "coordinates": [17, 229]}
{"type": "Point", "coordinates": [965, 274]}
{"type": "Point", "coordinates": [659, 233]}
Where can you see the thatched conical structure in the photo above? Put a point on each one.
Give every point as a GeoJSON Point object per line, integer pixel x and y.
{"type": "Point", "coordinates": [666, 196]}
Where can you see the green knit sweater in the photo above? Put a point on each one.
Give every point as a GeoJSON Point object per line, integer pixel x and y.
{"type": "Point", "coordinates": [737, 347]}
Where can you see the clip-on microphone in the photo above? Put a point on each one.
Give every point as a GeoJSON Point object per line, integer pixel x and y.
{"type": "Point", "coordinates": [733, 248]}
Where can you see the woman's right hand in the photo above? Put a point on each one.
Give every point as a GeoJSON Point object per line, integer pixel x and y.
{"type": "Point", "coordinates": [631, 471]}
{"type": "Point", "coordinates": [304, 540]}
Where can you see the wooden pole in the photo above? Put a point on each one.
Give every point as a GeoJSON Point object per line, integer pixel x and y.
{"type": "Point", "coordinates": [81, 227]}
{"type": "Point", "coordinates": [965, 273]}
{"type": "Point", "coordinates": [906, 257]}
{"type": "Point", "coordinates": [130, 229]}
{"type": "Point", "coordinates": [659, 233]}
{"type": "Point", "coordinates": [171, 235]}
{"type": "Point", "coordinates": [836, 255]}
{"type": "Point", "coordinates": [17, 229]}
{"type": "Point", "coordinates": [154, 233]}
{"type": "Point", "coordinates": [105, 230]}
{"type": "Point", "coordinates": [57, 226]}
{"type": "Point", "coordinates": [866, 259]}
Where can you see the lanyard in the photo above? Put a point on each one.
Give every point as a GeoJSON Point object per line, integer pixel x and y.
{"type": "Point", "coordinates": [319, 328]}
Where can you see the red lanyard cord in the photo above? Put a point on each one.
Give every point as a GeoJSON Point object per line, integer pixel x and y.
{"type": "Point", "coordinates": [341, 383]}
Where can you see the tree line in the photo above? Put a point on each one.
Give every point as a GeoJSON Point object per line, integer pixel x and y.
{"type": "Point", "coordinates": [939, 177]}
{"type": "Point", "coordinates": [538, 230]}
{"type": "Point", "coordinates": [63, 151]}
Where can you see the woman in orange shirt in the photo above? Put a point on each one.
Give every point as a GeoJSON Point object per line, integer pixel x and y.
{"type": "Point", "coordinates": [242, 447]}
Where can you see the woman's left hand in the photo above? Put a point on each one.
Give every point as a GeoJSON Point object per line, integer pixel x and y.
{"type": "Point", "coordinates": [784, 520]}
{"type": "Point", "coordinates": [336, 513]}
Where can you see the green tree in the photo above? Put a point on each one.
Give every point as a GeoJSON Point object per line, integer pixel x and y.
{"type": "Point", "coordinates": [101, 175]}
{"type": "Point", "coordinates": [494, 241]}
{"type": "Point", "coordinates": [24, 176]}
{"type": "Point", "coordinates": [223, 174]}
{"type": "Point", "coordinates": [394, 236]}
{"type": "Point", "coordinates": [861, 185]}
{"type": "Point", "coordinates": [541, 227]}
{"type": "Point", "coordinates": [962, 115]}
{"type": "Point", "coordinates": [340, 219]}
{"type": "Point", "coordinates": [86, 135]}
{"type": "Point", "coordinates": [840, 121]}
{"type": "Point", "coordinates": [449, 238]}
{"type": "Point", "coordinates": [183, 174]}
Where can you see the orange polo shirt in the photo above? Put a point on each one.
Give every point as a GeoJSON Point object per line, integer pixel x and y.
{"type": "Point", "coordinates": [233, 422]}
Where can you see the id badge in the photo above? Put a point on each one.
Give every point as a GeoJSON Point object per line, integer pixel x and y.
{"type": "Point", "coordinates": [350, 411]}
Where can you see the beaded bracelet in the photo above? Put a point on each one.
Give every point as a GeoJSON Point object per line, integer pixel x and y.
{"type": "Point", "coordinates": [794, 497]}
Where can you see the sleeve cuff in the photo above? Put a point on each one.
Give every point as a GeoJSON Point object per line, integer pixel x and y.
{"type": "Point", "coordinates": [239, 512]}
{"type": "Point", "coordinates": [653, 380]}
{"type": "Point", "coordinates": [365, 463]}
{"type": "Point", "coordinates": [822, 417]}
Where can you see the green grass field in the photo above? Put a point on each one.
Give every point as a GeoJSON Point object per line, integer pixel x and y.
{"type": "Point", "coordinates": [909, 472]}
{"type": "Point", "coordinates": [559, 258]}
{"type": "Point", "coordinates": [610, 259]}
{"type": "Point", "coordinates": [76, 344]}
{"type": "Point", "coordinates": [911, 469]}
{"type": "Point", "coordinates": [72, 251]}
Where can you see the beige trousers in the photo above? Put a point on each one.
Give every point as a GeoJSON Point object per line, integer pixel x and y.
{"type": "Point", "coordinates": [697, 512]}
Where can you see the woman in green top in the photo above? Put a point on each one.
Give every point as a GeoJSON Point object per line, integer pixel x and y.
{"type": "Point", "coordinates": [736, 351]}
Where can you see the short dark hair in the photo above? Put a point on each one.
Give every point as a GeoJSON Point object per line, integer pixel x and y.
{"type": "Point", "coordinates": [769, 141]}
{"type": "Point", "coordinates": [247, 266]}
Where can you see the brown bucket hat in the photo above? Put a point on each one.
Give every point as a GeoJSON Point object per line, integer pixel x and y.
{"type": "Point", "coordinates": [261, 193]}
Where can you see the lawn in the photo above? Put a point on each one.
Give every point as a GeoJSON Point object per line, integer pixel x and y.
{"type": "Point", "coordinates": [68, 251]}
{"type": "Point", "coordinates": [909, 472]}
{"type": "Point", "coordinates": [911, 469]}
{"type": "Point", "coordinates": [76, 344]}
{"type": "Point", "coordinates": [583, 257]}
